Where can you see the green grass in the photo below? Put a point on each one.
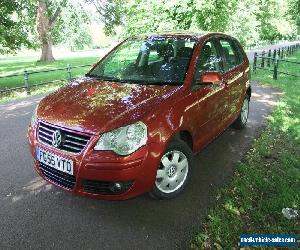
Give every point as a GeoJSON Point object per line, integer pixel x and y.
{"type": "Point", "coordinates": [266, 181]}
{"type": "Point", "coordinates": [17, 66]}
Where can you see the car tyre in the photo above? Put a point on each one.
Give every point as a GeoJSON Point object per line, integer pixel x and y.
{"type": "Point", "coordinates": [242, 119]}
{"type": "Point", "coordinates": [174, 171]}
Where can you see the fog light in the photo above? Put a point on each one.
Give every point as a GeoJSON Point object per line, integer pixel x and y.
{"type": "Point", "coordinates": [116, 187]}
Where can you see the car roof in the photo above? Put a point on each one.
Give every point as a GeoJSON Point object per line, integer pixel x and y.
{"type": "Point", "coordinates": [182, 34]}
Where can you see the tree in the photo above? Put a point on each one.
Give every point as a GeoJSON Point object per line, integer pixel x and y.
{"type": "Point", "coordinates": [61, 21]}
{"type": "Point", "coordinates": [42, 23]}
{"type": "Point", "coordinates": [45, 23]}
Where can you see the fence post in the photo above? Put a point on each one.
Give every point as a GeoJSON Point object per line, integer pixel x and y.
{"type": "Point", "coordinates": [284, 52]}
{"type": "Point", "coordinates": [26, 81]}
{"type": "Point", "coordinates": [281, 55]}
{"type": "Point", "coordinates": [263, 59]}
{"type": "Point", "coordinates": [69, 68]}
{"type": "Point", "coordinates": [274, 55]}
{"type": "Point", "coordinates": [254, 61]}
{"type": "Point", "coordinates": [269, 58]}
{"type": "Point", "coordinates": [275, 72]}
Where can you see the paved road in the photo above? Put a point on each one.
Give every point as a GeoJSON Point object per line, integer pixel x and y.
{"type": "Point", "coordinates": [34, 214]}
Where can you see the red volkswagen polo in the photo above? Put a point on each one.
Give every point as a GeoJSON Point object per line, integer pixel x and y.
{"type": "Point", "coordinates": [134, 122]}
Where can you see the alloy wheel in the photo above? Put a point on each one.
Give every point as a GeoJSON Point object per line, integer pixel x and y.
{"type": "Point", "coordinates": [173, 171]}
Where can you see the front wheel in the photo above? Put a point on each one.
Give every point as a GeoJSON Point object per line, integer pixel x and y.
{"type": "Point", "coordinates": [173, 172]}
{"type": "Point", "coordinates": [242, 119]}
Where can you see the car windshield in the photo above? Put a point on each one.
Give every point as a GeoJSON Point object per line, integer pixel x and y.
{"type": "Point", "coordinates": [160, 61]}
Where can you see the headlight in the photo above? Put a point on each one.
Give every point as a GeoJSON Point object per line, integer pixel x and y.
{"type": "Point", "coordinates": [124, 140]}
{"type": "Point", "coordinates": [34, 117]}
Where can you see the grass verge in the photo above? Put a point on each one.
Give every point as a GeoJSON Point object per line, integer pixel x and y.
{"type": "Point", "coordinates": [266, 181]}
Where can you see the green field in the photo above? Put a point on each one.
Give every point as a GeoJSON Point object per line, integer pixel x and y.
{"type": "Point", "coordinates": [266, 181]}
{"type": "Point", "coordinates": [17, 66]}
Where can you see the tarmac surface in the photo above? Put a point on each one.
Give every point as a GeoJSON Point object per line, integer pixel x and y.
{"type": "Point", "coordinates": [36, 215]}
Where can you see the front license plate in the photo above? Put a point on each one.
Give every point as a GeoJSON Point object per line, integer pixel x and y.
{"type": "Point", "coordinates": [54, 161]}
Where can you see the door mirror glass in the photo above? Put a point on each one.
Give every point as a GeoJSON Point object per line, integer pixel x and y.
{"type": "Point", "coordinates": [210, 78]}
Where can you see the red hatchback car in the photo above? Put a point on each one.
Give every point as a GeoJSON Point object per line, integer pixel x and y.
{"type": "Point", "coordinates": [134, 122]}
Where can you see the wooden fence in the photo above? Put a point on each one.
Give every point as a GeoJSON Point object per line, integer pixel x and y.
{"type": "Point", "coordinates": [270, 60]}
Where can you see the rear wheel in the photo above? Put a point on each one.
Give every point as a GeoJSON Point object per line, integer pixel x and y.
{"type": "Point", "coordinates": [173, 172]}
{"type": "Point", "coordinates": [242, 119]}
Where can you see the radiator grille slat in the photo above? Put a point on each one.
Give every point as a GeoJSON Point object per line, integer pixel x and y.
{"type": "Point", "coordinates": [77, 138]}
{"type": "Point", "coordinates": [71, 141]}
{"type": "Point", "coordinates": [45, 139]}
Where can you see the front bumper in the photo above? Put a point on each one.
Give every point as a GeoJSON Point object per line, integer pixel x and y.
{"type": "Point", "coordinates": [96, 171]}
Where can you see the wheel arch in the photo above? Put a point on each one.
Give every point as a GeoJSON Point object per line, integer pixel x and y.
{"type": "Point", "coordinates": [185, 136]}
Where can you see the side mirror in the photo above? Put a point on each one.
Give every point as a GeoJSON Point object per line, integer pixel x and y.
{"type": "Point", "coordinates": [210, 78]}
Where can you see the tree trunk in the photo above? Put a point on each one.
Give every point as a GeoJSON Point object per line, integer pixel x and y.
{"type": "Point", "coordinates": [44, 26]}
{"type": "Point", "coordinates": [47, 55]}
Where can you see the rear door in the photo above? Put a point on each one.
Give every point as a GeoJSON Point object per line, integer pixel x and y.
{"type": "Point", "coordinates": [233, 76]}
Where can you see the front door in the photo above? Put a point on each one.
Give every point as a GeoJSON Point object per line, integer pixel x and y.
{"type": "Point", "coordinates": [211, 98]}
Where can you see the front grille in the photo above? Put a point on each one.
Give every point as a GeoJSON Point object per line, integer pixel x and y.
{"type": "Point", "coordinates": [104, 187]}
{"type": "Point", "coordinates": [62, 179]}
{"type": "Point", "coordinates": [71, 141]}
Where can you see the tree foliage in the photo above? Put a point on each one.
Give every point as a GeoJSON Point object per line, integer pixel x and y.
{"type": "Point", "coordinates": [249, 20]}
{"type": "Point", "coordinates": [13, 34]}
{"type": "Point", "coordinates": [294, 10]}
{"type": "Point", "coordinates": [110, 13]}
{"type": "Point", "coordinates": [73, 25]}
